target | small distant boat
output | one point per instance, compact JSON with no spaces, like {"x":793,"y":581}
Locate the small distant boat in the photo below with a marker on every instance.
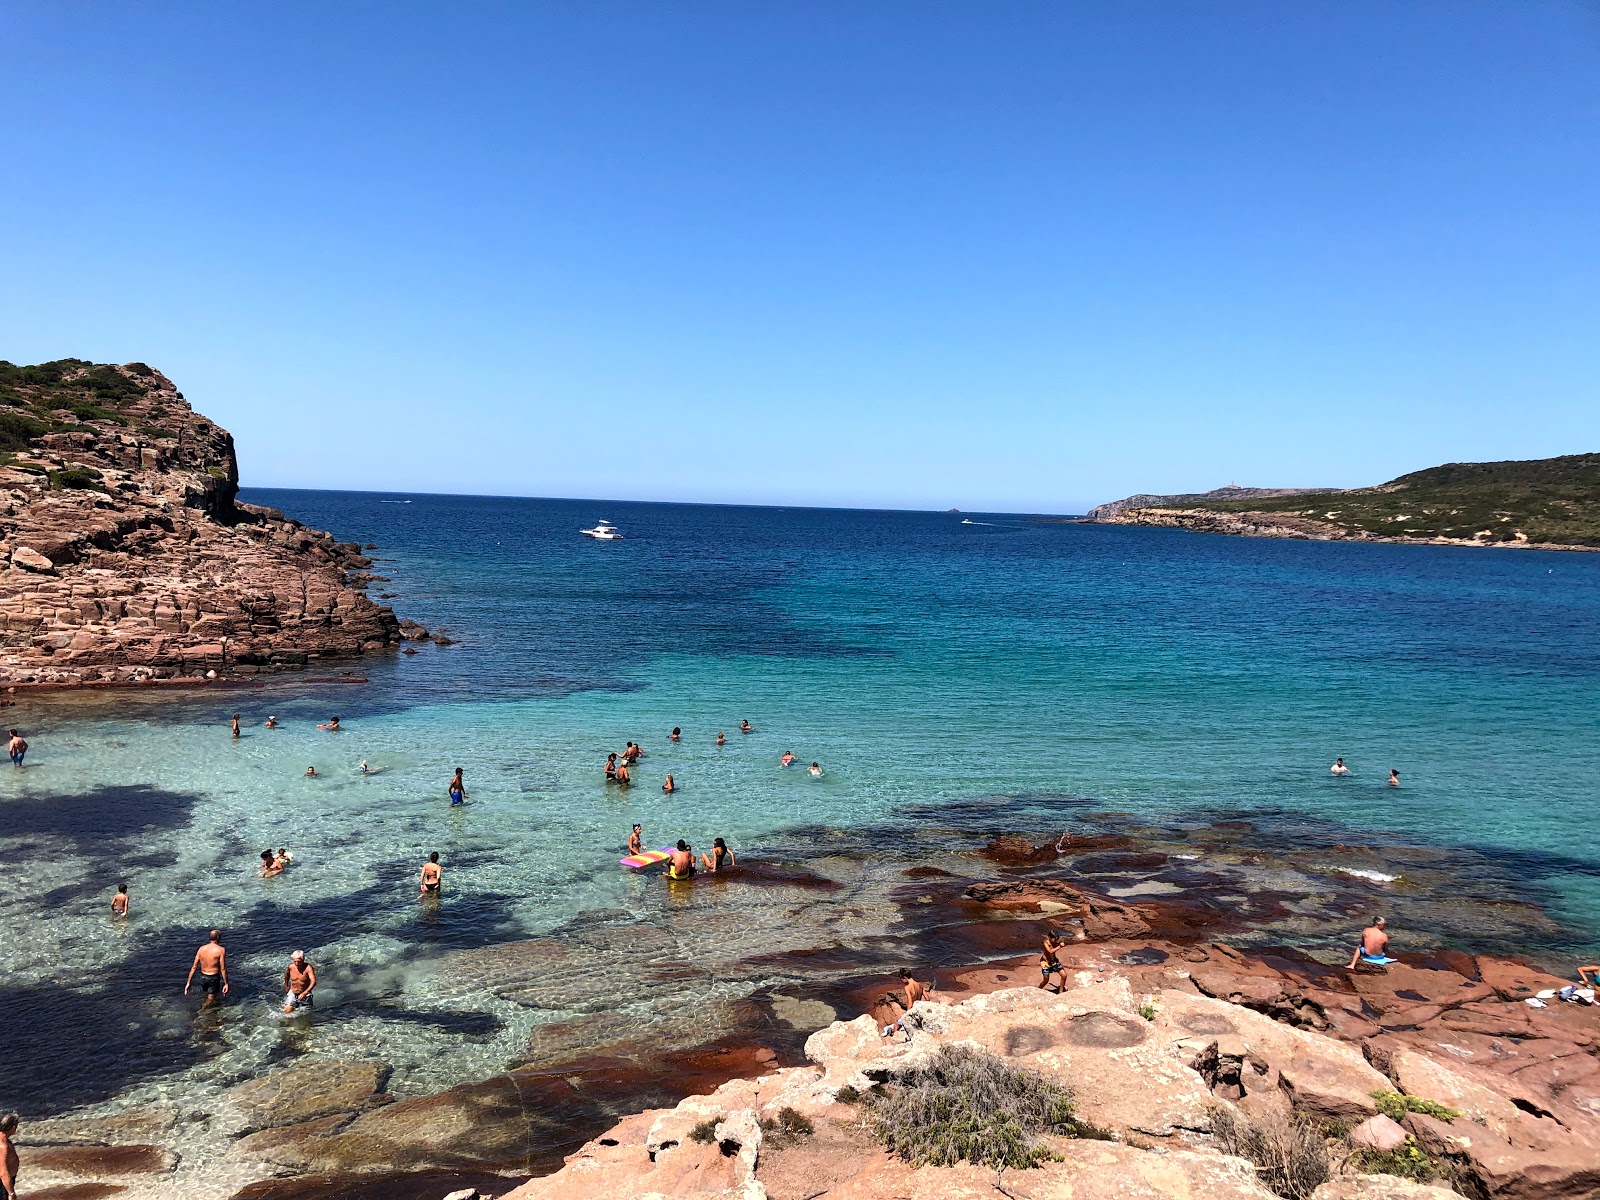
{"x":604,"y":531}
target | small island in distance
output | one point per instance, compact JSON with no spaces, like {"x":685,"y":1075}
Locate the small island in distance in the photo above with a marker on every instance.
{"x":1542,"y":503}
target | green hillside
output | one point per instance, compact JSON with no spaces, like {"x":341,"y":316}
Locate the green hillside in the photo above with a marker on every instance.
{"x":1553,"y":500}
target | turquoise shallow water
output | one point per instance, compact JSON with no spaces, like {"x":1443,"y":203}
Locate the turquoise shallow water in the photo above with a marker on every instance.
{"x":953,"y":680}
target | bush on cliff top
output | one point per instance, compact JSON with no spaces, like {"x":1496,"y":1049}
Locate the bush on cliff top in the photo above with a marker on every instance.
{"x":1395,"y":1105}
{"x":1289,"y":1153}
{"x":970,"y":1106}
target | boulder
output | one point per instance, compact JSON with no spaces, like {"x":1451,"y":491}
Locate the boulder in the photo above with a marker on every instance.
{"x":1378,"y":1133}
{"x":1424,"y":1077}
{"x":1381,"y":1187}
{"x":31,"y":560}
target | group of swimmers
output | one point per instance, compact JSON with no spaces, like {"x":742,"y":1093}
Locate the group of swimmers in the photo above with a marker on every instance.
{"x":1339,"y":768}
{"x":681,"y":864}
{"x":619,"y":762}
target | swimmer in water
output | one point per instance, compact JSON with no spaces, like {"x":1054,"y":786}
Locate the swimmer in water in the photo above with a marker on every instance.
{"x":816,"y":770}
{"x":1338,"y":767}
{"x":457,"y":789}
{"x":682,"y":863}
{"x":636,"y":840}
{"x":787,"y":760}
{"x":722,"y":738}
{"x":432,"y":876}
{"x":1394,"y":778}
{"x":284,"y":856}
{"x":364,"y":769}
{"x":331,"y":726}
{"x":675,"y":734}
{"x":270,"y":866}
{"x":719,"y":857}
{"x":311,"y":772}
{"x":669,"y":787}
{"x":631,"y":752}
{"x":234,"y":724}
{"x":119,"y":902}
{"x":746,"y":727}
{"x":270,"y":723}
{"x":611,"y":767}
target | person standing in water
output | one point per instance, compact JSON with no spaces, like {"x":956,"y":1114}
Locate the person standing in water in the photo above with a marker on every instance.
{"x":622,"y":774}
{"x":119,"y":902}
{"x":432,"y":876}
{"x":234,"y":724}
{"x":457,"y":789}
{"x":636,"y":840}
{"x":331,"y":726}
{"x":8,"y":1156}
{"x":816,"y":770}
{"x":722,"y":738}
{"x":675,"y":734}
{"x":1394,"y":777}
{"x":270,"y":723}
{"x":18,"y":747}
{"x":611,"y":767}
{"x":746,"y":727}
{"x":669,"y":787}
{"x":299,"y":979}
{"x":211,"y":960}
{"x":1338,"y":767}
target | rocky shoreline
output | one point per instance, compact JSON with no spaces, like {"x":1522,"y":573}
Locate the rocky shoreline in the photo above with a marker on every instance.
{"x":1160,"y":1027}
{"x":1280,"y":525}
{"x":126,"y":558}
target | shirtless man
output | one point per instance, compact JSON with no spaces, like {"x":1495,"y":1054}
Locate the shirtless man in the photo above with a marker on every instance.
{"x":18,"y":747}
{"x":636,"y":840}
{"x":331,"y":726}
{"x":631,"y":752}
{"x":211,"y":960}
{"x":234,"y":724}
{"x":622,"y":774}
{"x":1050,"y":961}
{"x":682,"y":864}
{"x":788,"y":759}
{"x":8,"y":1156}
{"x":432,"y":876}
{"x":914,"y":991}
{"x":722,"y":738}
{"x":119,"y":902}
{"x":1338,"y":768}
{"x":457,"y":789}
{"x":1373,"y":948}
{"x":299,"y":978}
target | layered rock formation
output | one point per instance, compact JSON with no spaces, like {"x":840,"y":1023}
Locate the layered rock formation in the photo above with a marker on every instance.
{"x":126,"y":556}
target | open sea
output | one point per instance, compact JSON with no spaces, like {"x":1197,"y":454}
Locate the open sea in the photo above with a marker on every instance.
{"x":954,"y":678}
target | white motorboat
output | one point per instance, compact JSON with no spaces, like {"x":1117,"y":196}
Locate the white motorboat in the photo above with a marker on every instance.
{"x":604,"y":530}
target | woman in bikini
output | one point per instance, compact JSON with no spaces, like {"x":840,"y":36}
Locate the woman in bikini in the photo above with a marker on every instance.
{"x":719,"y":857}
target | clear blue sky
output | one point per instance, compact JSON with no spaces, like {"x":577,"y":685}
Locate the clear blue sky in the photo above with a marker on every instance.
{"x":1005,"y":256}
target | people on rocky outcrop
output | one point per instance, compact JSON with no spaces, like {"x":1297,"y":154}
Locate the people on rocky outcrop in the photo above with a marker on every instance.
{"x":211,"y":960}
{"x":1394,"y":777}
{"x":299,"y":981}
{"x":681,"y":865}
{"x":1338,"y":767}
{"x":331,"y":726}
{"x":719,"y":858}
{"x":457,"y":789}
{"x":432,"y":876}
{"x":1589,"y":976}
{"x":668,"y":786}
{"x":234,"y":724}
{"x":270,"y":865}
{"x":18,"y":747}
{"x":636,"y":840}
{"x":1050,"y":961}
{"x":119,"y":902}
{"x":8,"y":1156}
{"x":1374,"y":944}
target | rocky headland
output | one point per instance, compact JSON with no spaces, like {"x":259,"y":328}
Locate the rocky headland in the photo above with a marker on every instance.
{"x":1547,"y":503}
{"x":126,"y":558}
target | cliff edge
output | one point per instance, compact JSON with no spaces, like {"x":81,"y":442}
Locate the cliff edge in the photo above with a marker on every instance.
{"x":125,"y":556}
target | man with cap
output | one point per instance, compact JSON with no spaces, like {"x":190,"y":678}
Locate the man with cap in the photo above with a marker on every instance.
{"x":299,"y":978}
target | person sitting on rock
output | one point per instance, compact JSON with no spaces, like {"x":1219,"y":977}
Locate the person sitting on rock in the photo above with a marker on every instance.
{"x":914,"y":991}
{"x":1372,"y":952}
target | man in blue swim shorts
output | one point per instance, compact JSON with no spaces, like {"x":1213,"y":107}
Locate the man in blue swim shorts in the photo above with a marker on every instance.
{"x":1374,"y":947}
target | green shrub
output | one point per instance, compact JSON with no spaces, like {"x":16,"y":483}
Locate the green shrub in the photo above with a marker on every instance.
{"x":17,"y":431}
{"x":94,"y":412}
{"x":969,"y":1106}
{"x":787,"y":1126}
{"x":847,"y":1095}
{"x":705,"y":1132}
{"x":76,"y":477}
{"x":1395,"y":1105}
{"x":1147,"y":1010}
{"x":1290,"y":1155}
{"x":1408,"y":1162}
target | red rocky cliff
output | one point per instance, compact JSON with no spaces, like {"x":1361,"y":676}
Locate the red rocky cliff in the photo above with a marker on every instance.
{"x":124,"y":556}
